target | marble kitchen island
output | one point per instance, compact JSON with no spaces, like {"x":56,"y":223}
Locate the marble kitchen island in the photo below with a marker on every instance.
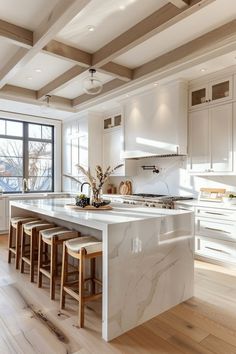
{"x":148,"y":257}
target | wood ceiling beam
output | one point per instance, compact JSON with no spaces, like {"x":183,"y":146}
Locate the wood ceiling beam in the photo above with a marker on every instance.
{"x":20,"y":94}
{"x":210,"y":41}
{"x":75,"y":55}
{"x":63,"y":13}
{"x":107,"y":88}
{"x":157,"y":22}
{"x":119,"y":71}
{"x":18,"y":35}
{"x":82,"y":58}
{"x":60,"y":81}
{"x":181,"y":4}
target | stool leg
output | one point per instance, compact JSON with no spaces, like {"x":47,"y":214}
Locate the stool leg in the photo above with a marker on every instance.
{"x":10,"y":243}
{"x":81,"y":288}
{"x":18,"y":233}
{"x":32,"y":255}
{"x":64,"y":272}
{"x":53,"y":269}
{"x":92,"y":265}
{"x":22,"y":264}
{"x":40,"y":262}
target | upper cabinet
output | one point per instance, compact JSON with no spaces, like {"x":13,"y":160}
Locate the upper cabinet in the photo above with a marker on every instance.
{"x":211,"y":139}
{"x":212,"y":92}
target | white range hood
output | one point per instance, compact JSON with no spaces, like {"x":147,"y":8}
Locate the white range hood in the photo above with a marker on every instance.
{"x":155,"y":122}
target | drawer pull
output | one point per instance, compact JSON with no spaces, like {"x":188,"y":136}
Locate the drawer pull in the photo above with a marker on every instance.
{"x":218,"y":230}
{"x":212,"y":213}
{"x":216,"y":249}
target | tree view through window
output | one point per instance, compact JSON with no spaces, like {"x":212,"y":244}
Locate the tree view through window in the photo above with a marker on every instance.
{"x":26,"y":153}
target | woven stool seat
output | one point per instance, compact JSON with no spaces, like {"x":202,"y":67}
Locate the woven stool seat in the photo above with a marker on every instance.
{"x":60,"y":232}
{"x":89,"y":243}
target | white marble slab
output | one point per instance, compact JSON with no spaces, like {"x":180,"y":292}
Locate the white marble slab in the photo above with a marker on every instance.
{"x":147,"y":257}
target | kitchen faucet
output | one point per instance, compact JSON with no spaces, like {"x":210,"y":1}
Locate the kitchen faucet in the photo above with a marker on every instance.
{"x":82,"y":185}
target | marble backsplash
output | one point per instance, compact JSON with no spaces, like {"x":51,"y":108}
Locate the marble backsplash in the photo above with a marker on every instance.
{"x":173,"y":178}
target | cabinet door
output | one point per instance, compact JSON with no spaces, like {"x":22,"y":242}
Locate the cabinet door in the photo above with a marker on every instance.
{"x":199,"y":141}
{"x":221,"y":90}
{"x":112,"y":148}
{"x":221,"y":127}
{"x":198,"y":96}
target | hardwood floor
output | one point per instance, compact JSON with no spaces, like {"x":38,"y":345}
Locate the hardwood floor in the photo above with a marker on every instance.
{"x":31,"y":323}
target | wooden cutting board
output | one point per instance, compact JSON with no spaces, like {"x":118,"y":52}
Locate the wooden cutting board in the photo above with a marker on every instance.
{"x":125,"y":187}
{"x":88,"y":207}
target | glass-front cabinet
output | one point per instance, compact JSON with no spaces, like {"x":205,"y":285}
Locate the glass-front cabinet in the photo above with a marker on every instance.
{"x":216,"y":91}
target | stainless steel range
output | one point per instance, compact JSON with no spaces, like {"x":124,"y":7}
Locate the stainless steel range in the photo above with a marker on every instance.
{"x":153,"y":200}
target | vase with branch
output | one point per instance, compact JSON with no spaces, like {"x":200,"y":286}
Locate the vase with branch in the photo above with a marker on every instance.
{"x":96,"y":183}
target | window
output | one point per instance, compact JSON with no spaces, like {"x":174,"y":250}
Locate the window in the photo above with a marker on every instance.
{"x":26,"y":155}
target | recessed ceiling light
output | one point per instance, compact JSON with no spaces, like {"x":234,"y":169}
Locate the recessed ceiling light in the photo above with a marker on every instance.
{"x":127,"y":95}
{"x":29,"y":78}
{"x":203,"y":70}
{"x":122,"y":7}
{"x":91,"y":28}
{"x":38,"y":70}
{"x":155,"y":83}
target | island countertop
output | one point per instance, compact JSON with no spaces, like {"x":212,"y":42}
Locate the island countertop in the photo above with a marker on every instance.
{"x":99,"y":219}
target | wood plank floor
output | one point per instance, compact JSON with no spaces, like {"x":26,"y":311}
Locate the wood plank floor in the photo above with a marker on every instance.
{"x":31,"y":323}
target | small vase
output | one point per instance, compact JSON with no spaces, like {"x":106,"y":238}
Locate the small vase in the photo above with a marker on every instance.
{"x":96,"y":198}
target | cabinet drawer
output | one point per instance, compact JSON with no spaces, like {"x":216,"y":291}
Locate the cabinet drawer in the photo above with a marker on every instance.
{"x":213,"y":213}
{"x":216,"y":249}
{"x":219,"y":230}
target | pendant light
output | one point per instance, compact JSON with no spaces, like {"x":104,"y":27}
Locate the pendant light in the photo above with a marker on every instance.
{"x":91,"y":84}
{"x":46,"y":104}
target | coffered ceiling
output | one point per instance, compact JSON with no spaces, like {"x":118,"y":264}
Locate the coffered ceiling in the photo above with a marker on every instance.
{"x":47,"y":46}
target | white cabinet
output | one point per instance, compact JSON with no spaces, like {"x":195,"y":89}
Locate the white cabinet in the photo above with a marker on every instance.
{"x":199,"y":149}
{"x":211,"y":139}
{"x":113,"y":142}
{"x":3,"y":217}
{"x":221,"y":138}
{"x":215,"y":235}
{"x":208,"y":93}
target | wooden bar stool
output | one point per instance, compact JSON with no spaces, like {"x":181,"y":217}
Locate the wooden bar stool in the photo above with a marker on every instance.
{"x":54,"y":238}
{"x":81,"y":248}
{"x":15,"y":229}
{"x":31,"y":230}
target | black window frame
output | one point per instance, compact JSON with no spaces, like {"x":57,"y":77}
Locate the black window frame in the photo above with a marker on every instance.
{"x":25,"y":141}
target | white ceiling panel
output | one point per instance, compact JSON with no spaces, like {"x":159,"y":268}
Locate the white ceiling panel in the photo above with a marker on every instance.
{"x":7,"y":50}
{"x":42,"y":69}
{"x":75,"y":87}
{"x":26,"y":13}
{"x":110,"y":18}
{"x":180,"y":33}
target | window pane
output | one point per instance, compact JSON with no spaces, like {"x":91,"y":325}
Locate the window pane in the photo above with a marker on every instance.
{"x":11,"y":166}
{"x":2,"y":127}
{"x":14,"y":128}
{"x":40,"y":150}
{"x":11,"y":184}
{"x":35,"y":131}
{"x":46,"y":132}
{"x":40,"y":184}
{"x":10,"y":147}
{"x":40,"y":167}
